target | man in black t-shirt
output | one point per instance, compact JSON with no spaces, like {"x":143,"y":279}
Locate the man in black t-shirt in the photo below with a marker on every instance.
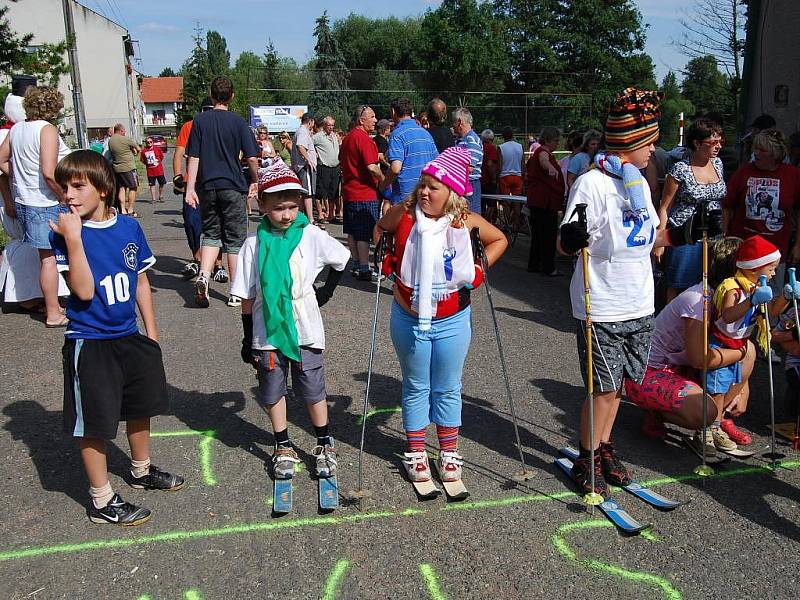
{"x":437,"y":115}
{"x":216,"y":183}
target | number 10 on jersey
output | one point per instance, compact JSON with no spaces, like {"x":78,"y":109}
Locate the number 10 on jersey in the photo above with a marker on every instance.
{"x":116,"y":287}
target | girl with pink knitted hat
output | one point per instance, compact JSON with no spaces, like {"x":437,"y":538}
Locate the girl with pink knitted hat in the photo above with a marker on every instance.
{"x":434,"y":268}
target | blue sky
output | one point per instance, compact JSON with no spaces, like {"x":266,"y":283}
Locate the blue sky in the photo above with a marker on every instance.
{"x":164,"y":29}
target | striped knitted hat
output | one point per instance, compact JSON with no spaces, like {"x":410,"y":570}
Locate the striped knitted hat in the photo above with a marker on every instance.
{"x":278,"y":177}
{"x":451,"y":167}
{"x":633,"y":120}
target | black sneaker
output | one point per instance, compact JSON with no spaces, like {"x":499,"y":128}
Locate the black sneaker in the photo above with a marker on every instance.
{"x":201,"y":292}
{"x":365,"y":275}
{"x":118,"y":512}
{"x":156,"y":479}
{"x":613,"y":470}
{"x":191,"y":270}
{"x":582,"y":476}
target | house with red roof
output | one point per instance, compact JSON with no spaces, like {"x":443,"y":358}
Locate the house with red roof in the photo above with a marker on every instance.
{"x":161,"y":97}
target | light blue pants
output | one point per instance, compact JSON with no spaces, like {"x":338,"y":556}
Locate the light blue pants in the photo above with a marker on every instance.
{"x":432,"y":362}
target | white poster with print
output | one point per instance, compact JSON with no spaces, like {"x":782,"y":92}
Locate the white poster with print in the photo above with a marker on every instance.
{"x":763,"y":202}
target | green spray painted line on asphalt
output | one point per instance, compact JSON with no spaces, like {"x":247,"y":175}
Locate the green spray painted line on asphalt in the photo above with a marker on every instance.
{"x":334,"y":579}
{"x":378,"y":411}
{"x":204,"y":449}
{"x":431,"y":582}
{"x":205,"y":460}
{"x":558,"y":540}
{"x":177,"y":536}
{"x":192,"y":595}
{"x":145,"y":597}
{"x":184,"y":433}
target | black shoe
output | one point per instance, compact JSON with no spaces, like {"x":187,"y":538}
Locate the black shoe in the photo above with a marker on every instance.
{"x":118,"y":512}
{"x":581,"y":475}
{"x":365,"y":276}
{"x":614,"y":472}
{"x":156,"y":479}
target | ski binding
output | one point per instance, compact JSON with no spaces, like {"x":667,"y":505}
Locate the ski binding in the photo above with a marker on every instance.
{"x":642,"y":492}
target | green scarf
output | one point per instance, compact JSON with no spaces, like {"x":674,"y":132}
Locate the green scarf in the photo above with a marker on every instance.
{"x":275,"y":276}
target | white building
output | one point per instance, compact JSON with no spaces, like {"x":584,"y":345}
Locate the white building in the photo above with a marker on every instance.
{"x":110,"y":90}
{"x":161,"y":97}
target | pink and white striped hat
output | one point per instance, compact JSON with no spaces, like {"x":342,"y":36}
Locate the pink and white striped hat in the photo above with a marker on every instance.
{"x":451,"y":167}
{"x":278,"y":177}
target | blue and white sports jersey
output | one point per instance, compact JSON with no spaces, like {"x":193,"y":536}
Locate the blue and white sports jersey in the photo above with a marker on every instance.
{"x":117,"y":252}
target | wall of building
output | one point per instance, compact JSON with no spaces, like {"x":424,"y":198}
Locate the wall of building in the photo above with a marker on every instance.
{"x":773,"y":76}
{"x":110,"y":92}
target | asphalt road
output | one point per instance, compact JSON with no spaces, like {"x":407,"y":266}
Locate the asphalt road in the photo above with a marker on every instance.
{"x":216,"y":539}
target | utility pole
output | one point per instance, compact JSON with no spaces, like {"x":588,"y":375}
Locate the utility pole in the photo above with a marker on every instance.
{"x":75,"y":75}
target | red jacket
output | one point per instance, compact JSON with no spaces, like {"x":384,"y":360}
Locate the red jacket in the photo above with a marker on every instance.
{"x":544,"y":191}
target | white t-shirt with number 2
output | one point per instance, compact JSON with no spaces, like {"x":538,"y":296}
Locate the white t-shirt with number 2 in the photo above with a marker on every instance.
{"x":620,"y":271}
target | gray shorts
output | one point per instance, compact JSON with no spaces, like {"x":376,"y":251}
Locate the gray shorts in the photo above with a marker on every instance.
{"x":619,"y":351}
{"x":224,"y":217}
{"x":308,"y":376}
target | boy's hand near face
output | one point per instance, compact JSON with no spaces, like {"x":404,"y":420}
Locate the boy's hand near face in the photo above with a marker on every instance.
{"x":69,"y":225}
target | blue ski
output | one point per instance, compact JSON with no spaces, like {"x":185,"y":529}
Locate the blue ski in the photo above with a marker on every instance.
{"x":328,"y":493}
{"x":613,"y":511}
{"x":282,"y":496}
{"x":635,"y":488}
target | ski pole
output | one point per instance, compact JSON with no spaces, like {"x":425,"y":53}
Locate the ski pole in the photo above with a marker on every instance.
{"x":793,"y":282}
{"x":361,"y":493}
{"x":773,"y":455}
{"x":703,"y":469}
{"x":592,"y":498}
{"x":525,"y":474}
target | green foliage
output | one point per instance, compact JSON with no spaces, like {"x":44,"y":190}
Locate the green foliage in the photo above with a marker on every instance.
{"x":673,"y":105}
{"x":196,"y":74}
{"x":462,"y":44}
{"x":706,"y":87}
{"x":45,"y":62}
{"x":246,"y":74}
{"x":330,"y":73}
{"x":167,"y":72}
{"x":12,"y":45}
{"x":219,"y":58}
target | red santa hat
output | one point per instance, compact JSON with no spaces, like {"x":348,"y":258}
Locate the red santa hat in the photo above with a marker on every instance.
{"x":756,"y":252}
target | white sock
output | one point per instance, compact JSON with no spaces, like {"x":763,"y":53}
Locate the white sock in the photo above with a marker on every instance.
{"x":140,"y":468}
{"x":101,"y":496}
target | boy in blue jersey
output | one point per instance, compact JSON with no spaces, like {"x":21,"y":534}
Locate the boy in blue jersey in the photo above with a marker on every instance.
{"x":112,"y":372}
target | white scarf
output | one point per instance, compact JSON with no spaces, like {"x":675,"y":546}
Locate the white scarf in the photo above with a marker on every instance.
{"x":436,"y":262}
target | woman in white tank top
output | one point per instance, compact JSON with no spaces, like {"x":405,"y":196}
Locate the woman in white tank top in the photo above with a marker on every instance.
{"x":29,"y":156}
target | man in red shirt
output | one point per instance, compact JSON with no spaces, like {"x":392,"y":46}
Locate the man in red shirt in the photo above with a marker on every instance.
{"x":763,"y":197}
{"x":153,"y":159}
{"x":361,"y":174}
{"x":489,"y":172}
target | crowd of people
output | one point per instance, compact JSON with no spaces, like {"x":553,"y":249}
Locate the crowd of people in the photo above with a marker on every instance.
{"x":410,"y":188}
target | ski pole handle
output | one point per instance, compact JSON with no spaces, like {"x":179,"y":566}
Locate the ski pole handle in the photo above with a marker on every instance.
{"x":762,"y":281}
{"x":792,"y":277}
{"x":478,"y":251}
{"x":581,"y":210}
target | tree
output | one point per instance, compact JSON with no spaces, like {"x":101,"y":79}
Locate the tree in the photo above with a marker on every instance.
{"x":167,"y":72}
{"x":672,"y":106}
{"x":706,"y":87}
{"x":272,"y":64}
{"x":717,"y":27}
{"x":462,"y":44}
{"x":247,"y":74}
{"x":330,"y":72}
{"x":219,"y":58}
{"x":196,"y":78}
{"x":44,"y":61}
{"x":12,"y":46}
{"x":579,"y":47}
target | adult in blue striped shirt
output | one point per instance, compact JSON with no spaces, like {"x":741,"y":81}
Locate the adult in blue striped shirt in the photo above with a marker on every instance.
{"x":410,"y":149}
{"x":467,"y":138}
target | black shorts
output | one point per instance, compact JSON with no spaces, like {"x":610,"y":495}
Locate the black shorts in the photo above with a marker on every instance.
{"x":127,"y":180}
{"x":108,"y":381}
{"x":360,"y":219}
{"x":151,"y":181}
{"x":327,"y":182}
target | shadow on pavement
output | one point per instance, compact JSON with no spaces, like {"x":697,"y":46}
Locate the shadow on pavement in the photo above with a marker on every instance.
{"x":54,"y":453}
